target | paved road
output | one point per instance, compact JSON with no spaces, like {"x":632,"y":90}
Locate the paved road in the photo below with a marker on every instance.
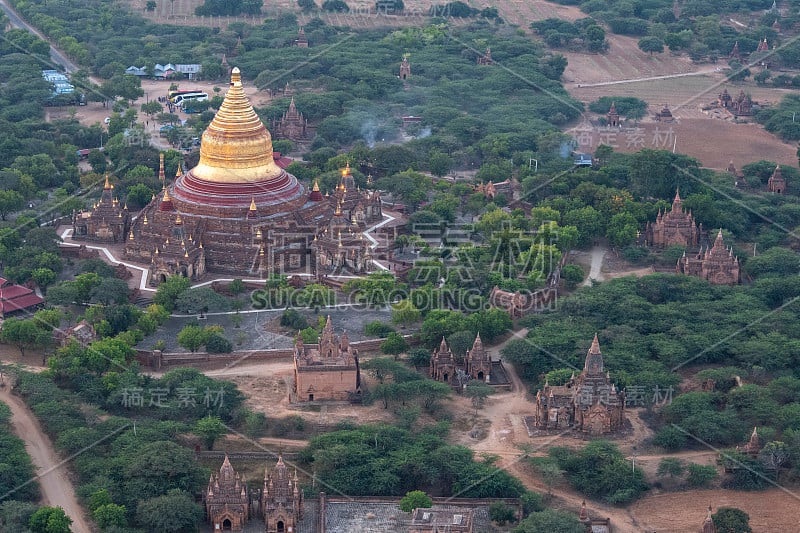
{"x":56,"y":56}
{"x":57,"y":490}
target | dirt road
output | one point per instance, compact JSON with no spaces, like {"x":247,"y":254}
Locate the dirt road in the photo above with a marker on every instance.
{"x":51,"y":471}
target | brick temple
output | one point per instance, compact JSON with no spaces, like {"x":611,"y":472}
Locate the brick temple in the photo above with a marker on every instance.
{"x":229,"y":503}
{"x":238,"y":213}
{"x":589,"y":403}
{"x":328,"y":370}
{"x":717,"y":264}
{"x":674,"y":227}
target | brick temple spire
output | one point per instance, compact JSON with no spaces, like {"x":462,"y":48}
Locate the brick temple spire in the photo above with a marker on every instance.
{"x":161,"y":176}
{"x":594,"y":359}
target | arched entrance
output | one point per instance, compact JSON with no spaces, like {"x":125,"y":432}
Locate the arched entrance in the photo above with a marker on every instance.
{"x":281,"y":528}
{"x":480,"y":376}
{"x":226,"y":525}
{"x":162,"y":278}
{"x":445,"y":377}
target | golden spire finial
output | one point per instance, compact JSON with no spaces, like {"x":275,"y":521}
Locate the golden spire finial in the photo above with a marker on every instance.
{"x":338,"y":208}
{"x":186,"y":254}
{"x":167,"y":241}
{"x":106,"y":185}
{"x":178,"y":219}
{"x":236,"y":146}
{"x":179,"y":171}
{"x":130,"y":235}
{"x":315,"y":188}
{"x":166,"y":196}
{"x":252,"y":204}
{"x":145,"y":220}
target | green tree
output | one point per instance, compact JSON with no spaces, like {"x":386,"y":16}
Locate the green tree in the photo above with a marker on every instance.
{"x":404,"y":313}
{"x":10,"y":201}
{"x":439,"y":163}
{"x":775,"y":455}
{"x":210,"y":429}
{"x":216,"y":343}
{"x":173,"y":512}
{"x":315,"y":295}
{"x":110,"y":291}
{"x":622,"y":229}
{"x":419,"y":357}
{"x":670,"y":466}
{"x":731,"y":520}
{"x":761,"y":77}
{"x":110,"y":515}
{"x":236,"y":287}
{"x":651,"y":45}
{"x":700,"y":475}
{"x":99,"y":498}
{"x":139,"y":195}
{"x":43,"y":277}
{"x":394,"y":344}
{"x":501,"y":513}
{"x":25,"y":334}
{"x":151,"y":108}
{"x":168,"y":291}
{"x":459,"y":342}
{"x":201,"y":300}
{"x":50,"y":520}
{"x":477,"y":392}
{"x":192,"y":337}
{"x":551,"y":521}
{"x":737,"y":72}
{"x":415,"y":499}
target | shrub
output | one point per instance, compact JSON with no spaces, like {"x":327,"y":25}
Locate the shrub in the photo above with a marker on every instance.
{"x":338,"y":6}
{"x":501,"y":513}
{"x":415,"y":499}
{"x":378,"y":329}
{"x":292,"y":319}
{"x":700,"y":475}
{"x":216,"y":343}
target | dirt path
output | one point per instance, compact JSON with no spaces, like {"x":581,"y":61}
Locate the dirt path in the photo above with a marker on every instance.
{"x":595,"y":272}
{"x":57,"y":490}
{"x":702,"y":72}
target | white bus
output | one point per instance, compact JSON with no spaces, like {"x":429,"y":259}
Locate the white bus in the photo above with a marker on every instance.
{"x":181,"y":99}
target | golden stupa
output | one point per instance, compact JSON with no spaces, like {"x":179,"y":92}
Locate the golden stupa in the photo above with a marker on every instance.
{"x":236,"y":147}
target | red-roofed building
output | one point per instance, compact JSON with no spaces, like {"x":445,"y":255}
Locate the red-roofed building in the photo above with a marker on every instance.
{"x":16,"y":298}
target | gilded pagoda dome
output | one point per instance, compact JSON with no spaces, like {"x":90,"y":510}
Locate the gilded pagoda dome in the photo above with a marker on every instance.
{"x":236,"y":147}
